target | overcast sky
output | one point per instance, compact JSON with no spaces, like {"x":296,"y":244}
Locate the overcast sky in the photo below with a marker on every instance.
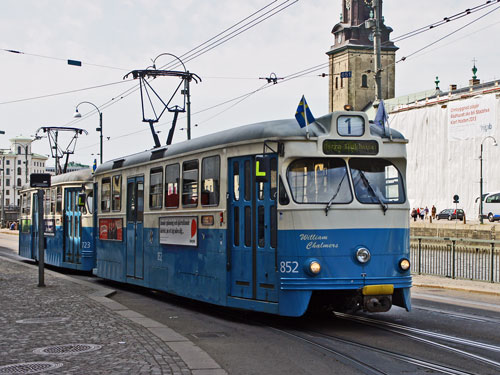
{"x":125,"y":35}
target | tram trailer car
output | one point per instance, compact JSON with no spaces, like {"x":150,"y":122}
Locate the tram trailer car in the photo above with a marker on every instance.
{"x":264,"y":217}
{"x":69,"y":225}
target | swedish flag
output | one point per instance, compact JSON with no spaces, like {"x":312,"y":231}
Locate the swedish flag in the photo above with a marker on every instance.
{"x":303,"y":115}
{"x":94,"y":166}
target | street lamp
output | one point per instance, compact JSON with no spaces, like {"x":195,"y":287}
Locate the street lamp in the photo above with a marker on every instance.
{"x":481,"y":177}
{"x":99,"y":129}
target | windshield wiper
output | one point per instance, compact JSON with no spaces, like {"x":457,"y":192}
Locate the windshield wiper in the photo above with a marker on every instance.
{"x":330,"y":202}
{"x":372,"y":192}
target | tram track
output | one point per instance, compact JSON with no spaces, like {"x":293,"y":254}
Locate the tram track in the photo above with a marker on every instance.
{"x":366,"y":367}
{"x":413,"y":333}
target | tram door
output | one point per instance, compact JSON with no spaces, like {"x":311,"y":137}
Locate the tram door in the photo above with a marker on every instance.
{"x":252,"y":229}
{"x":72,"y":226}
{"x":34,"y":227}
{"x":135,"y":226}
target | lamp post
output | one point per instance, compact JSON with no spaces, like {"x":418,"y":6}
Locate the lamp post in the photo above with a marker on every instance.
{"x":99,"y":129}
{"x":481,"y":177}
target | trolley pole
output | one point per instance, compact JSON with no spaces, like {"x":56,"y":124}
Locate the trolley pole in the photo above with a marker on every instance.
{"x":41,"y":247}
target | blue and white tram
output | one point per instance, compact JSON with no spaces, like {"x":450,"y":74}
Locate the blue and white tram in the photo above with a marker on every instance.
{"x":69,"y":230}
{"x":264,"y":217}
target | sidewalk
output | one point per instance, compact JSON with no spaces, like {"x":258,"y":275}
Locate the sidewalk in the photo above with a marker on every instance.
{"x":70,"y":327}
{"x":427,"y":281}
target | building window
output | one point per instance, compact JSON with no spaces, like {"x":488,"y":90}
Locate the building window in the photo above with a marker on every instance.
{"x":7,"y":162}
{"x":190,"y":183}
{"x":336,"y":83}
{"x":106,"y":194}
{"x":7,"y":192}
{"x":19,"y":162}
{"x":364,"y":81}
{"x":117,"y":193}
{"x":7,"y":171}
{"x":18,"y":150}
{"x":19,"y":171}
{"x":172,"y":186}
{"x":7,"y":182}
{"x":210,"y":168}
{"x":19,"y":183}
{"x":341,"y":82}
{"x":7,"y":201}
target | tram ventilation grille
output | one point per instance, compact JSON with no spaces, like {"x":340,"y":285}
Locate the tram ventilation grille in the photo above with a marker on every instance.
{"x":29,"y":367}
{"x":47,"y":319}
{"x":67,"y":349}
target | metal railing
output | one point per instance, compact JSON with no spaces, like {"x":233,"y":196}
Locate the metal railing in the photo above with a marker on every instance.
{"x":457,"y":258}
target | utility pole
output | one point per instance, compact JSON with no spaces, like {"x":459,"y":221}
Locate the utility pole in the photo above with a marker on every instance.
{"x":188,"y":106}
{"x":3,"y":189}
{"x":376,"y":50}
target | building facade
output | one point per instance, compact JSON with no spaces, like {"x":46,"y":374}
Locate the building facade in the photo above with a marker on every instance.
{"x":16,"y":165}
{"x":351,"y":69}
{"x":449,"y":134}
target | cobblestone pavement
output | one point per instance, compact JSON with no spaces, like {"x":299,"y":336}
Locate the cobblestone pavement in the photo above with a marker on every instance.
{"x":126,"y":346}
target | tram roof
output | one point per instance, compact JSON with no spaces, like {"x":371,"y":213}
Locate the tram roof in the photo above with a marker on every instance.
{"x":278,"y":129}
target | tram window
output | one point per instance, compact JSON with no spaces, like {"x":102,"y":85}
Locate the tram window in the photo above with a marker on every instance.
{"x":172,"y":186}
{"x":53,"y":201}
{"x":376,"y":181}
{"x":28,"y":204}
{"x":283,"y":196}
{"x":261,"y":229}
{"x":322,"y":180}
{"x":210,"y":177}
{"x":248,"y":180}
{"x":117,"y":193}
{"x":274,"y":178}
{"x":46,"y":202}
{"x":58,"y":200}
{"x":190,"y":183}
{"x":156,"y":188}
{"x":248,"y":226}
{"x":236,"y":181}
{"x":106,"y":194}
{"x":90,"y":202}
{"x":236,"y":226}
{"x":140,"y":201}
{"x":274,"y":227}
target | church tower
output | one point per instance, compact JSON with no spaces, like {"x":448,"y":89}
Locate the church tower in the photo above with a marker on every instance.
{"x":352,"y":76}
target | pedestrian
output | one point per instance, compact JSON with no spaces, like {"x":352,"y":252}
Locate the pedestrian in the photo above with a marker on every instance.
{"x":433,"y":211}
{"x":414,"y":214}
{"x":426,"y":212}
{"x":421,"y":211}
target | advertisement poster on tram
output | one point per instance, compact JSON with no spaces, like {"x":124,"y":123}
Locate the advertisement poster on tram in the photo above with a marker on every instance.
{"x":179,"y":230}
{"x":111,"y":229}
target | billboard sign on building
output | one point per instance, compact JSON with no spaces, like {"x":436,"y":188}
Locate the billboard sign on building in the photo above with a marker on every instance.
{"x":472,"y":118}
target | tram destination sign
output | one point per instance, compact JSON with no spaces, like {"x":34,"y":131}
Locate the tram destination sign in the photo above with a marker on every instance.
{"x":349,"y":147}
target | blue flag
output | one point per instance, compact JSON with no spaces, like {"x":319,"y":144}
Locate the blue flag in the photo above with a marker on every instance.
{"x":303,"y":115}
{"x":381,"y":117}
{"x":94,"y":166}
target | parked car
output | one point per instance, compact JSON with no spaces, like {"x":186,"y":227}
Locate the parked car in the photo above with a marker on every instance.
{"x":451,"y":214}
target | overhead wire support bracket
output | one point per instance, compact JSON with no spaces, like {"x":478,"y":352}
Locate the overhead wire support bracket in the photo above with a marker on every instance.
{"x":145,"y":87}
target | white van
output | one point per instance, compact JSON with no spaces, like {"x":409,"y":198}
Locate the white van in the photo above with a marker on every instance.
{"x":491,"y":206}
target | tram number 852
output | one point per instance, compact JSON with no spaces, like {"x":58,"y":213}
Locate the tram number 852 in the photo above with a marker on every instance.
{"x":289,"y":267}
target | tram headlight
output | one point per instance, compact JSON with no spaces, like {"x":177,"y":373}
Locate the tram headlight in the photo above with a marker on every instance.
{"x":315,"y":267}
{"x":312,"y":267}
{"x":363,"y":255}
{"x":404,"y":264}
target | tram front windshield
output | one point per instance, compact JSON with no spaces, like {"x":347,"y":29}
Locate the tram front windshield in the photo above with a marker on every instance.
{"x":326,"y":180}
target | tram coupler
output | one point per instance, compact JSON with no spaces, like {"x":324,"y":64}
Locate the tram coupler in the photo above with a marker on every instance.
{"x":380,"y":303}
{"x":377,"y":298}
